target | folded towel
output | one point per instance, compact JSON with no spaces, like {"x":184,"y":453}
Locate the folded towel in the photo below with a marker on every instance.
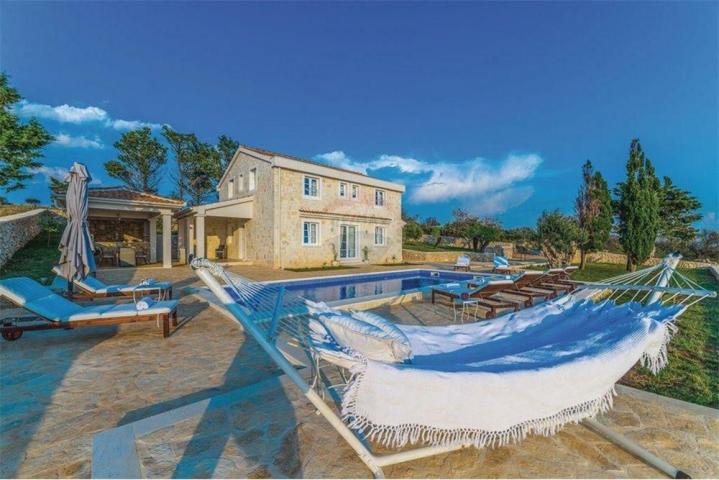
{"x":144,"y":303}
{"x":451,"y":284}
{"x":146,"y":282}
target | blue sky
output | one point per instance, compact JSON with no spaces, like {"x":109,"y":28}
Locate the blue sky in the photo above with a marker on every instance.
{"x":491,"y":107}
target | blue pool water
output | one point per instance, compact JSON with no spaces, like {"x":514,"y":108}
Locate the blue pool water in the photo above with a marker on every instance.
{"x":337,"y":288}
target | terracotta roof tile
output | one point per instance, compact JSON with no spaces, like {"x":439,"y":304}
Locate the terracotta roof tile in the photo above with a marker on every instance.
{"x":123,"y":193}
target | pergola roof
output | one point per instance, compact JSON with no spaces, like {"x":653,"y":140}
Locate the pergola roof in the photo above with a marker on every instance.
{"x":124,"y":201}
{"x":124,"y":193}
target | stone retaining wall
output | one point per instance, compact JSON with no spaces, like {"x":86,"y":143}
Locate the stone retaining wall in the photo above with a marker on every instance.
{"x":16,"y":230}
{"x":621,"y":259}
{"x":446,"y":256}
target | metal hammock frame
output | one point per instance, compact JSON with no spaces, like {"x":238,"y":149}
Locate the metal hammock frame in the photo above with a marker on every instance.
{"x":279,"y":321}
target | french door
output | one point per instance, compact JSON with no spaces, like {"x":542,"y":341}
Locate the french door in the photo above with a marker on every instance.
{"x":348,"y":242}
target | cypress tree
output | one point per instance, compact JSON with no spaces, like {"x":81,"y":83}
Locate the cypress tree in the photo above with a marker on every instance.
{"x":637,"y":207}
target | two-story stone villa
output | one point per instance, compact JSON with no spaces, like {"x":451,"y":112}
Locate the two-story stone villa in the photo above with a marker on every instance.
{"x":286,"y":212}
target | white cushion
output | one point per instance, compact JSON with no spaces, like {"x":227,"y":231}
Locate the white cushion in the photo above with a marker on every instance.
{"x":401,"y":347}
{"x":373,"y":337}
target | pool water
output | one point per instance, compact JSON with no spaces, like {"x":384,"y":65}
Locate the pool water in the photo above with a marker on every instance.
{"x":345,"y":287}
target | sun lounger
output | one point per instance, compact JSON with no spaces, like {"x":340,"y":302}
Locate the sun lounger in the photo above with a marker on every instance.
{"x":463,"y":262}
{"x":501,"y":265}
{"x":522,"y":287}
{"x":94,"y":288}
{"x":54,"y":311}
{"x":479,"y":292}
{"x":557,"y":279}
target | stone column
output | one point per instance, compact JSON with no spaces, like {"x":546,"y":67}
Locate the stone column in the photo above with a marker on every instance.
{"x":153,"y":239}
{"x":181,"y":240}
{"x":200,"y":235}
{"x":166,"y":240}
{"x":189,"y":226}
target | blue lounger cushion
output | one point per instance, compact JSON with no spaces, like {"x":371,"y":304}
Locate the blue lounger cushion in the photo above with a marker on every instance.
{"x":40,"y":300}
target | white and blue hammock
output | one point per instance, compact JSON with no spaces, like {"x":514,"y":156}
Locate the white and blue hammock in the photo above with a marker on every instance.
{"x":483,"y":384}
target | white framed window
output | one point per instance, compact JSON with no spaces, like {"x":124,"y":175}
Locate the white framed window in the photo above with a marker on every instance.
{"x":379,"y":235}
{"x":310,"y":187}
{"x":253,"y":180}
{"x":310,"y":233}
{"x":379,"y":198}
{"x":343,"y":190}
{"x":355,"y":192}
{"x":240,"y":183}
{"x":231,"y":188}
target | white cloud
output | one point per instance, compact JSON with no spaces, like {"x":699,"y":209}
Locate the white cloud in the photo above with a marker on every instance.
{"x":474,"y":178}
{"x":81,"y":141}
{"x":339,"y":159}
{"x":58,"y":173}
{"x":483,"y":187}
{"x":710,"y":220}
{"x":61,"y":113}
{"x":499,"y":202}
{"x":77,"y":115}
{"x":131,"y":124}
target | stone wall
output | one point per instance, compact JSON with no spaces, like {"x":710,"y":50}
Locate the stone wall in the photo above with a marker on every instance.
{"x":331,"y":210}
{"x":257,"y":234}
{"x":621,"y":259}
{"x":273,"y":237}
{"x":443,"y":257}
{"x":16,"y":230}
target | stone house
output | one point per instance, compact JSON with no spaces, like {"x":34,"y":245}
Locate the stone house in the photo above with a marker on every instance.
{"x":287,"y":212}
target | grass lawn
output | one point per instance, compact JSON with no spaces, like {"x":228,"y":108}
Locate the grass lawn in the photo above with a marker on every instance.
{"x":693,"y":370}
{"x":35,"y":259}
{"x":425,"y":247}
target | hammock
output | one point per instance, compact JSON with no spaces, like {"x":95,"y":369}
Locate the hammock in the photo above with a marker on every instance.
{"x":482,"y":384}
{"x":495,"y":382}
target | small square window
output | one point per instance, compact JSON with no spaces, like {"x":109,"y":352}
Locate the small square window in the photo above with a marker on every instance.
{"x":379,"y":236}
{"x":310,"y":233}
{"x":343,"y":190}
{"x":379,"y":198}
{"x":311,"y":187}
{"x":355,"y":192}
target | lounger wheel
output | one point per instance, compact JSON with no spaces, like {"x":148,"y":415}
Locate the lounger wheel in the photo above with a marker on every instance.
{"x":11,"y":333}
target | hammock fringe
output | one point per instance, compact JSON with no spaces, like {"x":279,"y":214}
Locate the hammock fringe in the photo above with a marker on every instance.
{"x":398,"y":436}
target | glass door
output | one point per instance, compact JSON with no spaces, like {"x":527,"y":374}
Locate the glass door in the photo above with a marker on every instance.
{"x":348,"y":241}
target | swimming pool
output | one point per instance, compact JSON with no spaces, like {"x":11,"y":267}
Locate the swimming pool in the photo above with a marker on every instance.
{"x":343,"y":288}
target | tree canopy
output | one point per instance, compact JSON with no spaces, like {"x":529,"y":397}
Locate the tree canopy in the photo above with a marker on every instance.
{"x":20,"y":144}
{"x":226,"y":147}
{"x":475,"y":231}
{"x":139,"y":161}
{"x":199,"y":165}
{"x":558,"y":236}
{"x":637,"y":204}
{"x":594,"y":211}
{"x":678,"y":213}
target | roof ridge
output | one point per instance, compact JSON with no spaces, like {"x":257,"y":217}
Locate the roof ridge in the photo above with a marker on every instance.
{"x":272,"y":153}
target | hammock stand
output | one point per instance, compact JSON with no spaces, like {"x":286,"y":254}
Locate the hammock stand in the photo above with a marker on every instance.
{"x":279,"y":324}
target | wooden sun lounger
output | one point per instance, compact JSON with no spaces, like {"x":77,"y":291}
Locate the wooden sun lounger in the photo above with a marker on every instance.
{"x":92,"y":288}
{"x":53,"y":311}
{"x":480,"y":294}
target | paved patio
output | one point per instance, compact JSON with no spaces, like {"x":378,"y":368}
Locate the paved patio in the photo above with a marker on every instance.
{"x":59,"y":388}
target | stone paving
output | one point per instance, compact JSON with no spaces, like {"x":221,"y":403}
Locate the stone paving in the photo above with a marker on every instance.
{"x":276,"y":433}
{"x":58,"y":388}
